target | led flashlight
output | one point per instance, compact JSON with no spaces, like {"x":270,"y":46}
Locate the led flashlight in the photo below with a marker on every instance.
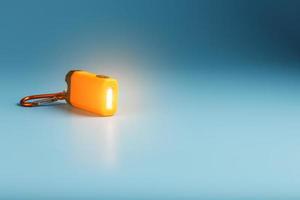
{"x":87,"y":91}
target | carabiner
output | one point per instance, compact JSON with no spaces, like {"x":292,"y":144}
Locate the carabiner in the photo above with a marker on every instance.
{"x":44,"y":99}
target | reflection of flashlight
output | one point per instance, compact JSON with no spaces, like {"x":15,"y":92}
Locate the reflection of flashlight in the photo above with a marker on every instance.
{"x":94,"y":93}
{"x":90,"y":92}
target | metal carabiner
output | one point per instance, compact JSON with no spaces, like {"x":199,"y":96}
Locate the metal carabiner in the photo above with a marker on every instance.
{"x":44,"y":99}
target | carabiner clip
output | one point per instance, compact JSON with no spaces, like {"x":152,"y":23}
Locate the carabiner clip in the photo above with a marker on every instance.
{"x":43,"y":99}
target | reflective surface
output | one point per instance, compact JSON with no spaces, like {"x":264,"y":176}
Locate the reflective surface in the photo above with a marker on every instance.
{"x":193,"y":122}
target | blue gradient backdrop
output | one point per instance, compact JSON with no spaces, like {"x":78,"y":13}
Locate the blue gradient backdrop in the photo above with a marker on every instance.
{"x":209,"y":100}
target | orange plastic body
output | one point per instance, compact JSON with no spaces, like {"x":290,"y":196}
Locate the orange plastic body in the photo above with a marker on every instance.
{"x":93,"y":93}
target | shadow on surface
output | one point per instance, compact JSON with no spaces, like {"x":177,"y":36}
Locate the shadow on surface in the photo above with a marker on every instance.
{"x":65,"y":108}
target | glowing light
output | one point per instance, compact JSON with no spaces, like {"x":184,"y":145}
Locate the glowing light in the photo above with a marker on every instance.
{"x":109,"y":98}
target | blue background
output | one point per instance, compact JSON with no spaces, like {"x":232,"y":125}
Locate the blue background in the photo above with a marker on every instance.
{"x":209,"y":100}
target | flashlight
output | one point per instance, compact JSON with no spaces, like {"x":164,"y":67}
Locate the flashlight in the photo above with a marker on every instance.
{"x":87,"y":91}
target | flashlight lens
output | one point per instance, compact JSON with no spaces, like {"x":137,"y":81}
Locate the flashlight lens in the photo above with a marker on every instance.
{"x":109,"y":98}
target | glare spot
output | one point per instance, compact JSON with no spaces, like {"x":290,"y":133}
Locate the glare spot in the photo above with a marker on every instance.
{"x":109,"y":98}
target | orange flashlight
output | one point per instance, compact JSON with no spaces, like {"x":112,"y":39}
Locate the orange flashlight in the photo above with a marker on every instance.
{"x":94,"y":93}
